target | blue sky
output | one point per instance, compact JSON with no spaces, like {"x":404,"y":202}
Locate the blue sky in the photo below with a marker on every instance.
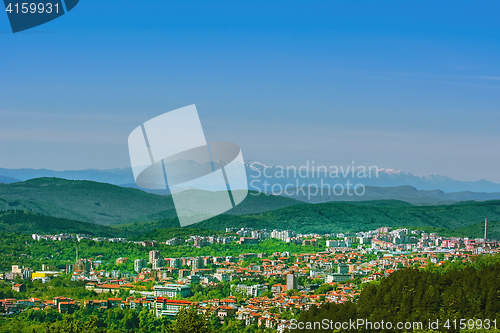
{"x":412,"y":85}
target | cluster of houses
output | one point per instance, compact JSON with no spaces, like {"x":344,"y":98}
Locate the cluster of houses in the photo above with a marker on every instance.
{"x":347,"y":260}
{"x":60,"y":303}
{"x":264,"y":311}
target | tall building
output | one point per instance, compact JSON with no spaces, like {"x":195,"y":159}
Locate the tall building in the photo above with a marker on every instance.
{"x":27,"y":273}
{"x":154,"y":255}
{"x":283,"y":235}
{"x":139,"y":264}
{"x":200,"y":242}
{"x":158,"y":263}
{"x":254,"y":291}
{"x":176,"y":263}
{"x":48,"y":267}
{"x":291,"y":282}
{"x":83,"y":265}
{"x":197,"y":263}
{"x":184,"y":273}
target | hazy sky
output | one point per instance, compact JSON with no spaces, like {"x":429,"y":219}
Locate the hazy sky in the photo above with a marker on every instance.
{"x":397,"y":84}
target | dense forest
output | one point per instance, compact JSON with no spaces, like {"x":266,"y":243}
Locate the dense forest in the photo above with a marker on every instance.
{"x":458,"y":291}
{"x":121,"y":321}
{"x":107,"y":204}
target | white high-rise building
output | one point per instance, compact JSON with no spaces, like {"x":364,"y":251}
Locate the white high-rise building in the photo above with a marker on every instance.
{"x":139,"y":264}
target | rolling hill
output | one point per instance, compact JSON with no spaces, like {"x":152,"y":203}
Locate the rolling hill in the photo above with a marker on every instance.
{"x":472,"y":231}
{"x":83,"y":201}
{"x":27,"y":222}
{"x":108,"y":204}
{"x":342,"y":217}
{"x":132,"y":212}
{"x":463,"y":219}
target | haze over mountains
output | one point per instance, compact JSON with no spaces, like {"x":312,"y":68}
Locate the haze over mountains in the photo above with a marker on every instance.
{"x":383,"y":178}
{"x":384,"y":184}
{"x":405,"y":192}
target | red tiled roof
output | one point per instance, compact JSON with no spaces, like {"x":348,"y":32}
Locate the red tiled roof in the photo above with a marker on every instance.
{"x":171,"y":301}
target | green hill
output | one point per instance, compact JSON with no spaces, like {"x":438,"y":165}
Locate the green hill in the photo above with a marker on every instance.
{"x":26,"y":222}
{"x":83,"y":200}
{"x":107,"y":204}
{"x":477,"y":231}
{"x":471,"y":231}
{"x":450,"y":220}
{"x":134,"y":213}
{"x":342,"y":217}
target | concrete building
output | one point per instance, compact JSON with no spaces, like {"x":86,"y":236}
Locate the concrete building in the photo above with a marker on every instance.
{"x":172,"y":290}
{"x":174,"y":241}
{"x":169,"y":307}
{"x":310,"y":242}
{"x":343,"y":269}
{"x":338,"y":243}
{"x":184,"y":273}
{"x":154,"y":255}
{"x":283,"y":235}
{"x":139,"y":264}
{"x":291,"y":282}
{"x":222,"y":277}
{"x":197,"y":263}
{"x":176,"y":263}
{"x":158,"y":263}
{"x":337,"y":278}
{"x":253,"y":291}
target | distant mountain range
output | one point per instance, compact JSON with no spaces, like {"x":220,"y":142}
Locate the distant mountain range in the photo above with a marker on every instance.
{"x":7,"y":180}
{"x":258,"y":173}
{"x":406,"y":193}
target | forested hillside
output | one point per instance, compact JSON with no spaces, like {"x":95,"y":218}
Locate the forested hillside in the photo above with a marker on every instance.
{"x":342,"y":217}
{"x":422,"y":295}
{"x":108,"y":204}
